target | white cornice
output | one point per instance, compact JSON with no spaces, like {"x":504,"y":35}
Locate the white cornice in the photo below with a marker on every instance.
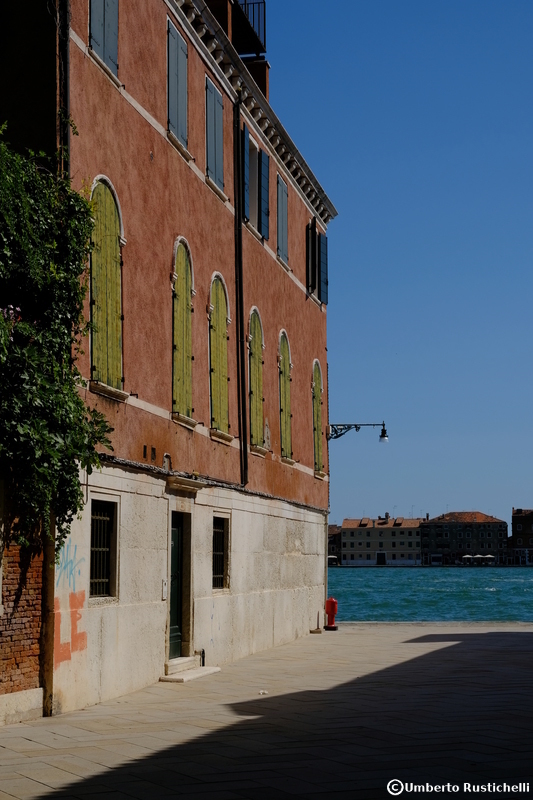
{"x":218,"y":53}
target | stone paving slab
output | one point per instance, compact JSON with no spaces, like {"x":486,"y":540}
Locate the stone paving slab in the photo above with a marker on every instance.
{"x":344,"y":713}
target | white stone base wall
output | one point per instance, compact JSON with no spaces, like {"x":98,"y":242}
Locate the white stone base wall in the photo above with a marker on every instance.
{"x":110,"y":646}
{"x":21,"y":706}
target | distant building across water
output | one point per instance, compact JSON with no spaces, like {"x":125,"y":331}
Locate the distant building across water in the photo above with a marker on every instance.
{"x":454,"y":538}
{"x":461,"y":536}
{"x":380,"y":542}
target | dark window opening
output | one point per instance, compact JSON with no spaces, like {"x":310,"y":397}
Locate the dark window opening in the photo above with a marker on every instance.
{"x":220,"y":553}
{"x":102,"y":548}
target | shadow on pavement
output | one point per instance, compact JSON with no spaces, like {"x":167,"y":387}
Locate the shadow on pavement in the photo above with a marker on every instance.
{"x":463,"y":713}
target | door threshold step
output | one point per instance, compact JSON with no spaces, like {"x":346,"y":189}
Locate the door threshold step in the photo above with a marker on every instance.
{"x":189,"y":675}
{"x":180,"y":664}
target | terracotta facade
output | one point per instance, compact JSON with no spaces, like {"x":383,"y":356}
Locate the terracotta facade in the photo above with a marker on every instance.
{"x":168,"y":484}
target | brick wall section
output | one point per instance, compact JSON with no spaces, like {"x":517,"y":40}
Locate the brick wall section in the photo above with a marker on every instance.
{"x":20,"y":624}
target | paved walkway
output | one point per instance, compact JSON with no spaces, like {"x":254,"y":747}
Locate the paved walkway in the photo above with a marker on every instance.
{"x":343,"y":714}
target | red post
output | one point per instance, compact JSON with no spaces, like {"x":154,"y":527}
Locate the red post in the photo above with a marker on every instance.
{"x":331,"y":610}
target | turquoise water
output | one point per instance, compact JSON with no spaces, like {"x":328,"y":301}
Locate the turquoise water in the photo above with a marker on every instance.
{"x":432,"y":594}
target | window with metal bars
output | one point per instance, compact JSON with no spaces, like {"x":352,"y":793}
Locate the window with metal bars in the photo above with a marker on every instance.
{"x":103,"y":539}
{"x":220,"y":553}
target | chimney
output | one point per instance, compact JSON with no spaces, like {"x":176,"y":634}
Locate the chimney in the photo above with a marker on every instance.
{"x":427,"y":517}
{"x":258,"y":67}
{"x":387,"y":515}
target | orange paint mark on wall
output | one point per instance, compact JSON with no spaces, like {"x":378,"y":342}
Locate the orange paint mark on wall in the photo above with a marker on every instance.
{"x":61,"y":649}
{"x":78,"y":639}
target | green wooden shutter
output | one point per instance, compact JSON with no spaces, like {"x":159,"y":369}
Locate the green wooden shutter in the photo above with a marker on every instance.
{"x":114,"y":294}
{"x":106,"y":291}
{"x":219,"y":141}
{"x":223,"y":343}
{"x":256,"y":381}
{"x":98,"y":289}
{"x":219,"y":358}
{"x":285,"y":398}
{"x":317,"y":417}
{"x":182,"y":336}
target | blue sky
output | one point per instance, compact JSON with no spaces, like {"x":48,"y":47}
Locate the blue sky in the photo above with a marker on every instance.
{"x":417,"y":118}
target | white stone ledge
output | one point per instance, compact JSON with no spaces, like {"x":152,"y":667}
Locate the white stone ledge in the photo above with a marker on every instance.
{"x":21,"y":706}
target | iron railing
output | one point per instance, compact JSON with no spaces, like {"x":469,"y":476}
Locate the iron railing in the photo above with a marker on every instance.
{"x":255,"y":11}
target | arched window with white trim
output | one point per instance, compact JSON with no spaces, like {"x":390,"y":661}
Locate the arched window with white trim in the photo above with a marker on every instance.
{"x":218,"y":357}
{"x":285,"y":396}
{"x":182,"y":334}
{"x":317,"y":416}
{"x":106,"y":290}
{"x":256,"y":380}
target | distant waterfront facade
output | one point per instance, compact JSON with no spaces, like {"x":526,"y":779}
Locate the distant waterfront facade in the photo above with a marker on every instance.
{"x":461,"y":536}
{"x":520,"y":543}
{"x":385,"y":541}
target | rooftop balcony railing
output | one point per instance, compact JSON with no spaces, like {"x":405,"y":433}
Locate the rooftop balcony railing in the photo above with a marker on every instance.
{"x":255,"y":11}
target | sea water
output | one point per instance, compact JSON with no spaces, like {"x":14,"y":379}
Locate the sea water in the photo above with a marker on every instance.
{"x":432,"y":594}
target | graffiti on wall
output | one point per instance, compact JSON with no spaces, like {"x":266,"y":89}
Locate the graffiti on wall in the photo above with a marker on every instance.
{"x":69,"y":566}
{"x":68,"y":569}
{"x":78,"y":639}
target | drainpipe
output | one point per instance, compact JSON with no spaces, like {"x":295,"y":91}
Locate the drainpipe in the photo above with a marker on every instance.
{"x":63,"y":89}
{"x":241,"y":344}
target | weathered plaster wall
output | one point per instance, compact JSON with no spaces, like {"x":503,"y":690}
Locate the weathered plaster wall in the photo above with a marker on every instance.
{"x":105,"y":647}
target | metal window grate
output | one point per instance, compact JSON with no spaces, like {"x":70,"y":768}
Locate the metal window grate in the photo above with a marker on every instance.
{"x":219,"y":552}
{"x":102,"y":527}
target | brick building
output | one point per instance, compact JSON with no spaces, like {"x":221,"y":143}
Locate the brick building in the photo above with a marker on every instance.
{"x":448,"y":538}
{"x":334,"y":545}
{"x":520,"y":543}
{"x":380,"y":542}
{"x":207,"y":527}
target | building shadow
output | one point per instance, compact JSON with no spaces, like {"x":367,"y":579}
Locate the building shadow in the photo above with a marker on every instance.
{"x":463,"y":713}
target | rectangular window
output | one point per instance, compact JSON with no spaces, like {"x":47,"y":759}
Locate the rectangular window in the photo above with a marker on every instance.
{"x":256,"y":166}
{"x":220,"y":553}
{"x":283,"y":247}
{"x":177,"y":85}
{"x":323,"y":268}
{"x":102,"y":581}
{"x":104,"y":32}
{"x":214,"y":135}
{"x":352,"y":557}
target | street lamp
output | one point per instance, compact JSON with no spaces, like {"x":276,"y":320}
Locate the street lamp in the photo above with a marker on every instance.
{"x":335,"y":431}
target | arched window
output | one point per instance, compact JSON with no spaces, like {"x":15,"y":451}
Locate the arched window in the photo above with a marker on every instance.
{"x":218,"y":357}
{"x":285,"y":396}
{"x":256,"y":381}
{"x":317,"y":416}
{"x":106,"y":291}
{"x":181,"y":335}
